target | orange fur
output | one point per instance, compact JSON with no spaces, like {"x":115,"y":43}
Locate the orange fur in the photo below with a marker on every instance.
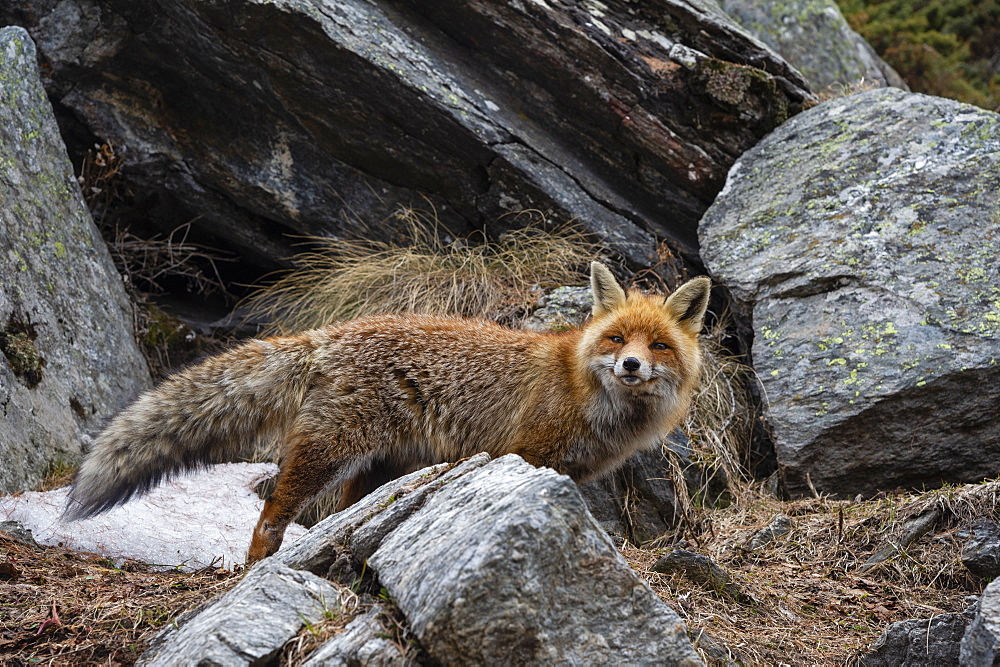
{"x":359,"y":402}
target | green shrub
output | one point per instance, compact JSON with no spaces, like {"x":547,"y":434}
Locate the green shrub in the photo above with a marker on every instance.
{"x":939,"y":47}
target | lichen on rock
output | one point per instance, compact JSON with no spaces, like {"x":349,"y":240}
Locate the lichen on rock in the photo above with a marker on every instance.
{"x":69,"y":355}
{"x":863,"y":238}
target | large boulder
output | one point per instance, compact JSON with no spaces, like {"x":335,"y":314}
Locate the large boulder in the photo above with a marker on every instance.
{"x":261,"y":119}
{"x":488,"y":562}
{"x":862,"y":239}
{"x":69,"y":353}
{"x":814,"y":37}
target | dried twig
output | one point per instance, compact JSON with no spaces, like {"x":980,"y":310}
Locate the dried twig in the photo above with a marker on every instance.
{"x":916,"y":528}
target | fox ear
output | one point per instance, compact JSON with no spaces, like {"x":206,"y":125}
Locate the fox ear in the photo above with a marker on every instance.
{"x":608,"y":293}
{"x":689,"y":302}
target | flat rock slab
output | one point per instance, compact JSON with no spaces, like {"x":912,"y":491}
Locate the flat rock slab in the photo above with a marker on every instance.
{"x":69,"y":357}
{"x":250,"y":623}
{"x":863,"y":240}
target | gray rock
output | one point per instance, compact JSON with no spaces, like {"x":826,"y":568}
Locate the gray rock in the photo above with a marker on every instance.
{"x":862,"y":240}
{"x":604,"y":500}
{"x":813,"y":36}
{"x":779,"y":527}
{"x":250,"y":623}
{"x":258,"y":119}
{"x":562,"y":308}
{"x":919,"y":642}
{"x":700,"y":569}
{"x":504,"y":565}
{"x":981,"y":553}
{"x":17,"y":532}
{"x":718,"y":653}
{"x":69,"y":355}
{"x":327,"y":548}
{"x":494,"y":561}
{"x":981,"y":642}
{"x":651,"y":506}
{"x":361,"y":644}
{"x":639,"y":500}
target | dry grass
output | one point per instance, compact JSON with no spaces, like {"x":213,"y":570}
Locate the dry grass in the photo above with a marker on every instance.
{"x":720,"y":423}
{"x":806,"y":602}
{"x":809,"y":604}
{"x":62,"y":607}
{"x":835,"y":90}
{"x":428,"y":273}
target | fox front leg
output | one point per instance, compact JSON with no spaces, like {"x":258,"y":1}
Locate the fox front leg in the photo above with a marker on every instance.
{"x":306,"y":472}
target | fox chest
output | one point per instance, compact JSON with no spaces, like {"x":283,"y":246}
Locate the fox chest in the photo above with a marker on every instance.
{"x":611,"y":440}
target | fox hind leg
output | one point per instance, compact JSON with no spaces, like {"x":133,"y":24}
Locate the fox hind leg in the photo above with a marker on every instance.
{"x":369,"y":479}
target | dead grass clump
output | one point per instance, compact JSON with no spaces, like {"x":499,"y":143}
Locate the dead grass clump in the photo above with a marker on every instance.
{"x":59,"y":606}
{"x":809,"y":599}
{"x":720,"y":422}
{"x":428,"y":273}
{"x":336,"y":617}
{"x":835,"y":90}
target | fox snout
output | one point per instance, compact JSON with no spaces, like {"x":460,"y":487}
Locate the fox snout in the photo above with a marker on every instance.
{"x":631,"y":364}
{"x":633,"y":371}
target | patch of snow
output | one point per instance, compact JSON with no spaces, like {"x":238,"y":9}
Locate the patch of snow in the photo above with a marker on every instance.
{"x":192,"y":521}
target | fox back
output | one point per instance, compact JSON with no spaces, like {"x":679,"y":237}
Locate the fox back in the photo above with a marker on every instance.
{"x":358,"y":403}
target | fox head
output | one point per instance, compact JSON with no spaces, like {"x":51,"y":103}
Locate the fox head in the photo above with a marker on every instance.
{"x":638,"y":343}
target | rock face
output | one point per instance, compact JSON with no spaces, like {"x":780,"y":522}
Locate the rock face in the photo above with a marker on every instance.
{"x":862,"y":239}
{"x":258,"y":119}
{"x":490,"y":562}
{"x":981,"y":643}
{"x":69,"y":355}
{"x":813,"y":36}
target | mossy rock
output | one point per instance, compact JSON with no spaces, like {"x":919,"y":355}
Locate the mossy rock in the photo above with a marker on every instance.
{"x":69,"y":359}
{"x":863,"y":238}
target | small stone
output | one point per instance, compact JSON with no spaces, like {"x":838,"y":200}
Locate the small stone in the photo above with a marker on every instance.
{"x":981,"y":554}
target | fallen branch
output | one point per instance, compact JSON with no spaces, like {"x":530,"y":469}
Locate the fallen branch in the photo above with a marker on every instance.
{"x":916,"y":528}
{"x":703,"y":571}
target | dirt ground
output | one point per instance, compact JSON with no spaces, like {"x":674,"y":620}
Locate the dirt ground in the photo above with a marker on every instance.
{"x":803,"y":599}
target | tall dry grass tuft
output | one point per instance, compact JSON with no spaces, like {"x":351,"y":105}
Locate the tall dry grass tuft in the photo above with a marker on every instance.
{"x":500,"y":280}
{"x":720,"y":423}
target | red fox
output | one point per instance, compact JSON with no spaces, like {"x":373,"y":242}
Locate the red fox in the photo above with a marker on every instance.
{"x":354,"y":404}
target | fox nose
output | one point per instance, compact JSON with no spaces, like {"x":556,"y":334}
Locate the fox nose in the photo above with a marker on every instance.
{"x":631,"y":364}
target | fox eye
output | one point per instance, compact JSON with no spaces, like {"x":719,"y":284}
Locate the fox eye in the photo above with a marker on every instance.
{"x":617,"y":340}
{"x":660,"y":346}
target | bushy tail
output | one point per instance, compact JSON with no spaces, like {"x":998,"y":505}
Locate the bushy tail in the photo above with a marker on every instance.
{"x":208,"y":413}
